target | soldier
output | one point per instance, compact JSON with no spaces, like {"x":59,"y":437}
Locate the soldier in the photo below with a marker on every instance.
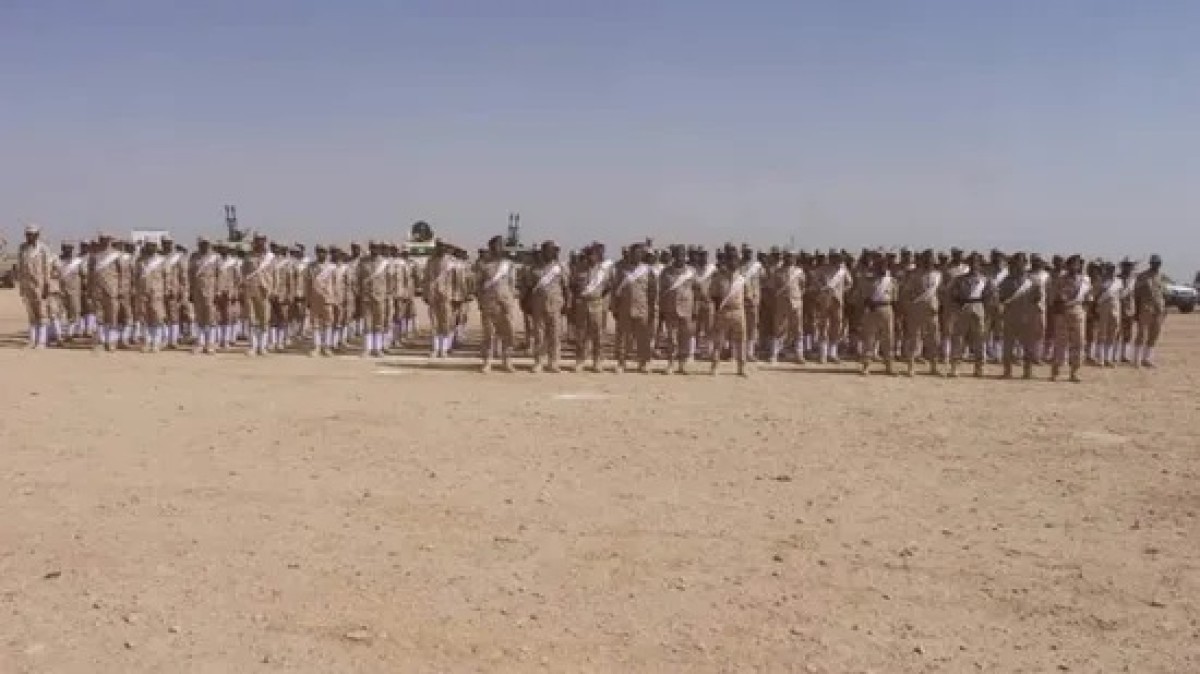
{"x":997,"y":271}
{"x":1070,"y":295}
{"x":442,"y":283}
{"x":590,"y":289}
{"x":204,"y":288}
{"x":969,"y":294}
{"x":496,"y":282}
{"x":298,"y":311}
{"x":786,"y":306}
{"x":920,"y":295}
{"x":373,"y":282}
{"x":88,"y":320}
{"x":547,"y":300}
{"x":1151,"y":304}
{"x":752,"y":272}
{"x":1021,"y":296}
{"x":704,"y":306}
{"x":833,"y":281}
{"x":1042,"y":277}
{"x":466,"y":291}
{"x":406,"y":310}
{"x":282,"y":298}
{"x":877,"y":294}
{"x":634,"y":306}
{"x":1092,"y":320}
{"x":258,"y":288}
{"x":677,"y":289}
{"x":151,"y":288}
{"x":323,"y":295}
{"x":72,"y":269}
{"x":105,"y":271}
{"x":1128,"y":309}
{"x":176,"y":272}
{"x":1107,"y":307}
{"x":228,"y":290}
{"x":129,"y":313}
{"x":353,"y":317}
{"x":35,"y":265}
{"x":728,"y":294}
{"x":344,"y":306}
{"x":951,"y":270}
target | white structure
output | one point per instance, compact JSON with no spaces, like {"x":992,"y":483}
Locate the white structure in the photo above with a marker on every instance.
{"x":140,"y":236}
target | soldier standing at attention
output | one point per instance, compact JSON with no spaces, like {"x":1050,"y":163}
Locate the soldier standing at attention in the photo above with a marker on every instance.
{"x":1151,"y":312}
{"x":547,"y":299}
{"x":919,"y":299}
{"x":496,"y":282}
{"x":34,"y":262}
{"x":997,"y":271}
{"x":1128,"y":310}
{"x":1070,"y":296}
{"x":105,"y":271}
{"x":728,"y":294}
{"x":372,"y":285}
{"x":1021,"y":296}
{"x":589,"y":300}
{"x":128,"y":311}
{"x":152,"y":285}
{"x":833,"y":281}
{"x":299,"y":306}
{"x":204,"y":276}
{"x":970,"y":293}
{"x":878,"y":296}
{"x":1041,"y":276}
{"x":321,"y":293}
{"x":72,"y":269}
{"x":787,"y":283}
{"x":677,"y":308}
{"x":634,"y":306}
{"x":258,"y":289}
{"x":752,"y":272}
{"x":343,"y":312}
{"x":704,"y":306}
{"x":440,"y":284}
{"x":951,"y":270}
{"x":176,"y":292}
{"x":1107,"y":307}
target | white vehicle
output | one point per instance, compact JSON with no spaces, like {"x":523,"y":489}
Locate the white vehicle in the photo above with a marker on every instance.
{"x":141,"y":236}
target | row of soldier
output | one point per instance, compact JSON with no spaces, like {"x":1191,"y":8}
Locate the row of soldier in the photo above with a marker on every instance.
{"x":920,"y":308}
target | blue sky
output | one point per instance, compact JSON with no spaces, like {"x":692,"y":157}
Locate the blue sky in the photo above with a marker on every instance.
{"x":1062,"y":125}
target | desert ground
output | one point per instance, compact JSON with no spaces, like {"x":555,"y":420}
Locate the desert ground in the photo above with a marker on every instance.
{"x":175,"y":513}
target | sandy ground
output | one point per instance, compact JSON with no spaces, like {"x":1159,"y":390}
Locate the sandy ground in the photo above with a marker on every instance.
{"x":225,"y":514}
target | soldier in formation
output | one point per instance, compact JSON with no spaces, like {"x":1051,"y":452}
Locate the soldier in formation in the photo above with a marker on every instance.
{"x":676,"y":304}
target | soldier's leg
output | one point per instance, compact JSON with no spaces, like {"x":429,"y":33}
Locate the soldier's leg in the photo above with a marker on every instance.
{"x":978,"y":336}
{"x":552,"y":338}
{"x":621,"y":342}
{"x":643,"y":332}
{"x":871,"y":329}
{"x":795,"y":331}
{"x":740,"y":340}
{"x":834,"y":328}
{"x":751,"y":323}
{"x":597,"y":319}
{"x":720,"y":335}
{"x":686,"y":335}
{"x":1076,"y":335}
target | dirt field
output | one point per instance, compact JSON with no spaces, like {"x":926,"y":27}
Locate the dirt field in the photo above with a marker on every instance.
{"x":225,"y":514}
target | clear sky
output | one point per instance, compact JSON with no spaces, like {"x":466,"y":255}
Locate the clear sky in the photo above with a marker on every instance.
{"x":1058,"y":125}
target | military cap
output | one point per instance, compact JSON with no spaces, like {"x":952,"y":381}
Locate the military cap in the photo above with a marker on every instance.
{"x":32,"y":229}
{"x":321,"y":249}
{"x":1155,"y":259}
